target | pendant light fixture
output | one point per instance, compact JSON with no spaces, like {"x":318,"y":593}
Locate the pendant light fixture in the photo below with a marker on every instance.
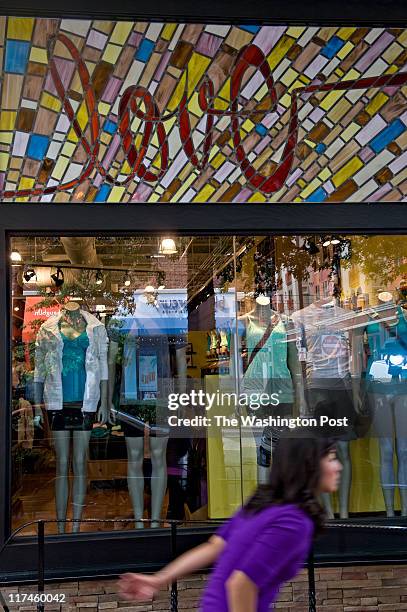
{"x":168,"y":246}
{"x":263,"y":300}
{"x":15,"y":256}
{"x":331,"y":240}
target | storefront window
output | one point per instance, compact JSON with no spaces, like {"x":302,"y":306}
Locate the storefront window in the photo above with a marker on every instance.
{"x":152,"y":377}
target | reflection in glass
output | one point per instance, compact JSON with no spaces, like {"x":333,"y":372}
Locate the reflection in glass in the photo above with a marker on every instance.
{"x":272,"y":331}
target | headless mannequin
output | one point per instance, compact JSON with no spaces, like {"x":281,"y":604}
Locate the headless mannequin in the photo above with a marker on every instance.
{"x":135,"y":453}
{"x":390,"y":419}
{"x":342,"y":445}
{"x":72,"y":325}
{"x":263,"y":314}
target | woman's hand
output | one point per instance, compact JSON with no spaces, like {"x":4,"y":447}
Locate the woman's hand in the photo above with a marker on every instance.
{"x":142,"y":586}
{"x":138,"y":587}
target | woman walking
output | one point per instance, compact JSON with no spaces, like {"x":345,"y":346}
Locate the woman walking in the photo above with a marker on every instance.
{"x":266,"y":542}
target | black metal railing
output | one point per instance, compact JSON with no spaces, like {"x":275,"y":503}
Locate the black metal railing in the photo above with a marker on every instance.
{"x":173,"y":531}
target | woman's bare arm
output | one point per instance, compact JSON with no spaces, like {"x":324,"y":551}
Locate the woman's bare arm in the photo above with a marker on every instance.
{"x":142,"y":586}
{"x":193,"y":560}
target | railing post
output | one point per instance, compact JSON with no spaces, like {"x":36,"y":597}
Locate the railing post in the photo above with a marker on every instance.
{"x":3,"y":603}
{"x":174,"y":585}
{"x":41,"y":564}
{"x":311,"y":582}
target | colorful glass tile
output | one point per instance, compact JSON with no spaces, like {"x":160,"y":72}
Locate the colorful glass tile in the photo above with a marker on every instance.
{"x":145,"y":50}
{"x":16,"y":56}
{"x":37,"y":146}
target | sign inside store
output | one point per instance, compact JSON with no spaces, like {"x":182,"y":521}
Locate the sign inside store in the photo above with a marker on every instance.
{"x":138,"y":102}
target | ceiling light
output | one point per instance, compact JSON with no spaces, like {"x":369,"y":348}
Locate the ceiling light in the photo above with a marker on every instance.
{"x":127,"y":280}
{"x":29,"y":275}
{"x":335,"y":241}
{"x":99,"y":277}
{"x":263,"y":300}
{"x":326,"y":243}
{"x":167,"y":246}
{"x":58,"y":277}
{"x":385,"y":296}
{"x":15,"y":256}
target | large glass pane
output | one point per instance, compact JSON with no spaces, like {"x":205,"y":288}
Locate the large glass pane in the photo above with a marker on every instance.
{"x":323,"y":325}
{"x":152,"y":380}
{"x":109,"y":334}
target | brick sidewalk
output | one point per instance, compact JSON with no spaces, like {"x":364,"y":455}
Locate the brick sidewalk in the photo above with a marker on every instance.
{"x":348,"y":589}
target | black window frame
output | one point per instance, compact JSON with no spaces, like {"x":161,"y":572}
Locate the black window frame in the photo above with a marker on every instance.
{"x":106,"y":553}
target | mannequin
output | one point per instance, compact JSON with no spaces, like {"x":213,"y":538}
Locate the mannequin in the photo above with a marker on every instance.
{"x":331,"y":387}
{"x":270,"y":366}
{"x":70,"y":379}
{"x":128,"y":334}
{"x":386,"y":375}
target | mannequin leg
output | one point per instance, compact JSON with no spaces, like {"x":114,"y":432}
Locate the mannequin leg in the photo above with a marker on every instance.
{"x":346,"y":478}
{"x":263,"y":474}
{"x":158,"y":447}
{"x":61,"y":443}
{"x":317,"y":404}
{"x":383,"y":427}
{"x":80,"y":464}
{"x":400,"y":421}
{"x":326,"y":502}
{"x":135,"y":477}
{"x":264,"y":449}
{"x":387,"y":474}
{"x":401,"y":449}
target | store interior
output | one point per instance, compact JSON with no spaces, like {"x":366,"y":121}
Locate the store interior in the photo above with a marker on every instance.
{"x":174,"y":314}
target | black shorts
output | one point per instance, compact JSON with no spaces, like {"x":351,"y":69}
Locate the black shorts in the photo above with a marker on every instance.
{"x":134,"y":418}
{"x":71,"y":418}
{"x":335,"y":402}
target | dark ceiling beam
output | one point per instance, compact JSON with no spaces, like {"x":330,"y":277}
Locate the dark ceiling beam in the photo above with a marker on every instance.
{"x":319,"y":12}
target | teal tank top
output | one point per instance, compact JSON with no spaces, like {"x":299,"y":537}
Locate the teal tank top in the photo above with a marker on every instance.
{"x":388,"y":348}
{"x":268,"y":372}
{"x":73,"y":367}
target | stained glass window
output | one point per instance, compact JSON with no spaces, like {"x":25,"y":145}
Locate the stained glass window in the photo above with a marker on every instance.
{"x":102,"y":111}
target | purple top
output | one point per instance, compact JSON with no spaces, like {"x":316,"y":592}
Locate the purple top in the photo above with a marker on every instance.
{"x":270,"y":547}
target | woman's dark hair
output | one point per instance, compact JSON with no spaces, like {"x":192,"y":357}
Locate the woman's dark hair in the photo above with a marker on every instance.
{"x":295,"y":476}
